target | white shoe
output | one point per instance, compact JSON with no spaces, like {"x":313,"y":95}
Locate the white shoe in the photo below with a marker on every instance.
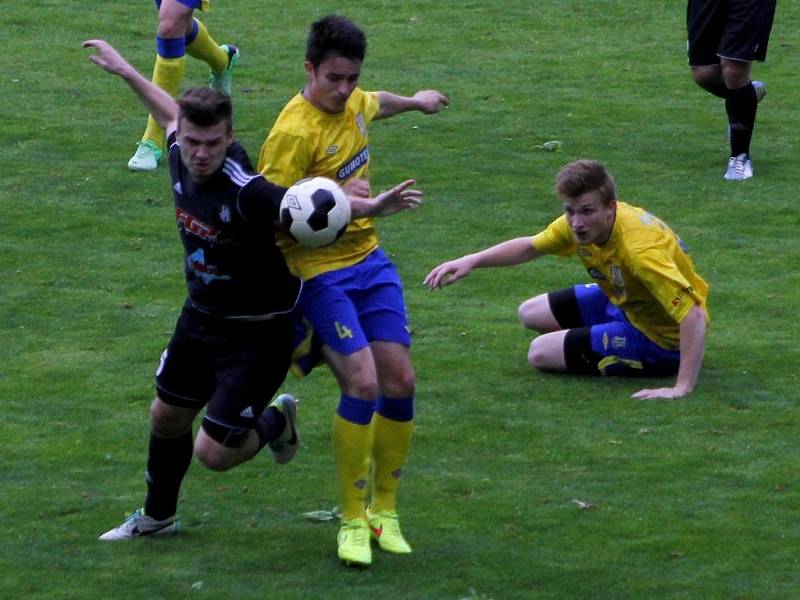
{"x":147,"y":157}
{"x":138,"y":524}
{"x":761,"y":89}
{"x":739,"y":168}
{"x":285,"y":446}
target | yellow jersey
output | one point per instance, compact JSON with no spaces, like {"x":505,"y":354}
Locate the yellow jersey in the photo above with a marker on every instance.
{"x":643,"y":268}
{"x":307,"y":142}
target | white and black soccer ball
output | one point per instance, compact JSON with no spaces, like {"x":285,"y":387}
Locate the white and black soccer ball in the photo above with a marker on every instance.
{"x":315,"y":212}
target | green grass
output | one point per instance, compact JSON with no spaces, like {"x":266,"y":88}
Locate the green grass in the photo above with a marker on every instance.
{"x":693,"y":499}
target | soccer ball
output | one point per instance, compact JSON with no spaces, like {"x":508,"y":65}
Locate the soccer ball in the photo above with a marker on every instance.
{"x":315,"y":212}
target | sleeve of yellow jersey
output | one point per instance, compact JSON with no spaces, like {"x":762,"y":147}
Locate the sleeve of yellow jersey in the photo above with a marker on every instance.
{"x":284,"y":158}
{"x":556,"y":239}
{"x":658,"y":273}
{"x":372,"y":105}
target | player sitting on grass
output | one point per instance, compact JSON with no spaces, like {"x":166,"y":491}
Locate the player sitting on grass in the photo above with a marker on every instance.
{"x":644,"y":315}
{"x":232,"y":344}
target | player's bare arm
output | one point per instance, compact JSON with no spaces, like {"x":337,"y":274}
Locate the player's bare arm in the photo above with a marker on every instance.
{"x":425,"y":101}
{"x":157,"y":102}
{"x":392,"y":201}
{"x":693,"y":335}
{"x":508,"y":253}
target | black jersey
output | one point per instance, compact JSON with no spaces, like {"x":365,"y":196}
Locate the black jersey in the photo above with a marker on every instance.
{"x":227,"y":226}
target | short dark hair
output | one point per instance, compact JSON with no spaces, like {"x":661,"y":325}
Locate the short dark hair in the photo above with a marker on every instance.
{"x":205,"y":107}
{"x":584,"y":176}
{"x":334,"y":35}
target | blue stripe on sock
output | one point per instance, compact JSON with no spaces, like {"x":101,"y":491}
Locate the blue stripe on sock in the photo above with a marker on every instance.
{"x":170,"y":47}
{"x":396,"y":409}
{"x":355,"y":410}
{"x":195,"y":28}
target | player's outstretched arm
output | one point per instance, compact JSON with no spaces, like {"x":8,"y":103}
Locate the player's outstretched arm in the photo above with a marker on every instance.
{"x":693,"y":336}
{"x":392,"y":201}
{"x":511,"y":252}
{"x":157,"y":102}
{"x":426,"y":101}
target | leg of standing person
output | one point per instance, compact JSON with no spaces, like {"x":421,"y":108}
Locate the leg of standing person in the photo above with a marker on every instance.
{"x":178,"y":33}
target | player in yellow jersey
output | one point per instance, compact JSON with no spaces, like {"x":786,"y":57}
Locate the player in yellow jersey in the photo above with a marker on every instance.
{"x":179,"y":34}
{"x":352,"y":296}
{"x":645,"y":315}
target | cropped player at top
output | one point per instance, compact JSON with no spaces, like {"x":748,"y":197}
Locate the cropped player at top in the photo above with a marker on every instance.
{"x":645,"y":313}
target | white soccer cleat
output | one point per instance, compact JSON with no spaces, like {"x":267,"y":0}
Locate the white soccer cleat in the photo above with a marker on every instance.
{"x":760,"y":88}
{"x":739,"y":168}
{"x":147,"y":157}
{"x":285,"y":446}
{"x":138,"y":524}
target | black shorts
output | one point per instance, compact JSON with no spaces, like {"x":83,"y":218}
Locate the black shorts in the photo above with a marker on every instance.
{"x":733,"y":29}
{"x":235,"y":367}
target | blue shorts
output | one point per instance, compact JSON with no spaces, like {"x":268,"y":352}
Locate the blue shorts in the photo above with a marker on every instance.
{"x":193,"y":4}
{"x":350,"y":307}
{"x":613,"y":337}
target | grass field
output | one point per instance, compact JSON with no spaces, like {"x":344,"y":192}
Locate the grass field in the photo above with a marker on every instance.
{"x":692,"y":499}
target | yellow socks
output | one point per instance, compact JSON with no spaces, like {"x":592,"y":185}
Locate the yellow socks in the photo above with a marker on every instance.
{"x":204,"y":48}
{"x":352,"y":440}
{"x":167,"y":74}
{"x":390,"y":448}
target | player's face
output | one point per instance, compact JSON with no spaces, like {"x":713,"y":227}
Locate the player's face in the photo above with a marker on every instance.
{"x":203,"y":148}
{"x":591,"y":221}
{"x":331,"y":83}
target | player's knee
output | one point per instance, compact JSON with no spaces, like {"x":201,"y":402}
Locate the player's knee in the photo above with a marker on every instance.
{"x":212,"y":458}
{"x":535,"y":314}
{"x":362,"y":388}
{"x":538,"y":354}
{"x":172,"y":26}
{"x":400,"y":385}
{"x":167,"y":421}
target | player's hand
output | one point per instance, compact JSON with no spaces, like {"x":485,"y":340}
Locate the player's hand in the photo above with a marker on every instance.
{"x":356,"y":187}
{"x":671,"y":393}
{"x":448,"y":273}
{"x":392,"y":201}
{"x":107,"y":58}
{"x":430,"y":101}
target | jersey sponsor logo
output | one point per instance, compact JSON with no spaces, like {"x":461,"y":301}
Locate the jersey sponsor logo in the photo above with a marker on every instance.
{"x":343,"y":331}
{"x":355,"y":163}
{"x":206,"y":273}
{"x":194,"y":225}
{"x":596,"y":274}
{"x":362,"y":124}
{"x":332,"y":149}
{"x":178,"y":188}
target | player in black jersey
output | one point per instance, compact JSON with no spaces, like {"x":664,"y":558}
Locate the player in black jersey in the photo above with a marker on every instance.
{"x":233,"y":340}
{"x":725,"y":37}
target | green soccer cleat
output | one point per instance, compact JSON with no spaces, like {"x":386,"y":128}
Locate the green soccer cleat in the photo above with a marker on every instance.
{"x":385,"y":528}
{"x":354,"y":543}
{"x":138,"y":525}
{"x":147,"y":157}
{"x":285,"y":446}
{"x":223,"y":82}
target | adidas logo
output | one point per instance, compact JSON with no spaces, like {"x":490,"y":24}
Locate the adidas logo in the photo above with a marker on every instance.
{"x":177,"y":187}
{"x":247,"y":412}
